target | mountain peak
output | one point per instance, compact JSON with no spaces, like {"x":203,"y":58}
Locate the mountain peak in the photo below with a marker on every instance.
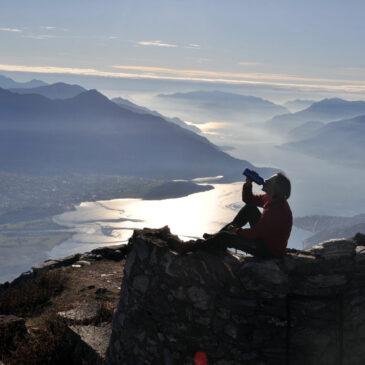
{"x":93,"y":95}
{"x":332,"y":101}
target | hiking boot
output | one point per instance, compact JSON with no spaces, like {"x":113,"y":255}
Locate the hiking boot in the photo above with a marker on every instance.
{"x":193,"y":245}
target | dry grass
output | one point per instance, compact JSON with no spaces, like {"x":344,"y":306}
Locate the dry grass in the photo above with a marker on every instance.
{"x":25,"y":298}
{"x":45,"y":346}
{"x":40,"y":298}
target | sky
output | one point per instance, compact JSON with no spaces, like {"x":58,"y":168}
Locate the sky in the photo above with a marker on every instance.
{"x":313,"y":45}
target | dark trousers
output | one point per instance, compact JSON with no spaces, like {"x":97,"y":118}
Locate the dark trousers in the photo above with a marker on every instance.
{"x":223,"y":239}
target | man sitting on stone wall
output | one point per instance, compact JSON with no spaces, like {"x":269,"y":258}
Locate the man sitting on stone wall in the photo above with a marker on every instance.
{"x":269,"y":231}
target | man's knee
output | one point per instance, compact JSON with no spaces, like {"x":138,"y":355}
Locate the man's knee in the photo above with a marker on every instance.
{"x":251,"y":209}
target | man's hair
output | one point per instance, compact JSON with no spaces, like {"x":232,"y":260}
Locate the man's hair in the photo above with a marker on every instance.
{"x":285,"y":185}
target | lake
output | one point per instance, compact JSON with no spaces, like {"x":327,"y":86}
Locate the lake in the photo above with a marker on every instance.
{"x":113,"y":221}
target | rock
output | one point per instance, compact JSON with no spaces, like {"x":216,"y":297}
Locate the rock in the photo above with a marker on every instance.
{"x":360,"y":254}
{"x":265,"y":277}
{"x":83,"y":263}
{"x":12,"y":328}
{"x":88,"y":256}
{"x":115,"y":253}
{"x":140,"y":283}
{"x":334,"y":249}
{"x":46,"y":265}
{"x":82,"y":315}
{"x":306,"y":308}
{"x":54,"y":264}
{"x":198,"y":297}
{"x":69,"y":260}
{"x":102,"y":293}
{"x":91,"y":343}
{"x":359,"y":238}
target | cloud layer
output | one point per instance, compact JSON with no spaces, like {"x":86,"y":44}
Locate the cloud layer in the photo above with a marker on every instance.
{"x":235,"y":78}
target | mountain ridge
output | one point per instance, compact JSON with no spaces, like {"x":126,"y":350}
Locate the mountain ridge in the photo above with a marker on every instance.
{"x":90,"y":133}
{"x":326,"y":110}
{"x":58,"y":90}
{"x":141,"y":109}
{"x":7,"y":83}
{"x":340,"y":141}
{"x":223,"y":103}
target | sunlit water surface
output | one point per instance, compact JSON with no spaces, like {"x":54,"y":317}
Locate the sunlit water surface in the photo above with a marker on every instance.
{"x":112,"y":222}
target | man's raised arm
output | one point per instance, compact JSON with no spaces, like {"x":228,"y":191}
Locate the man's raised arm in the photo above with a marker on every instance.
{"x":248,"y":197}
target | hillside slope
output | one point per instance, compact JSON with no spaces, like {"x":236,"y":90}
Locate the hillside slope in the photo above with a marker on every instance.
{"x":91,"y":134}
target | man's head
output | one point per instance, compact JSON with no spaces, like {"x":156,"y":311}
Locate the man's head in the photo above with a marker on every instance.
{"x":277,"y":186}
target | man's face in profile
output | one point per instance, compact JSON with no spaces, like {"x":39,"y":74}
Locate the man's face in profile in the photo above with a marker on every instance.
{"x":271,"y":185}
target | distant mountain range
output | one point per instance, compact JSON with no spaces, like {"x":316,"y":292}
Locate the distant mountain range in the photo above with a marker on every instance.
{"x":143,"y":110}
{"x":342,"y":142}
{"x":328,"y":227}
{"x":305,"y":130}
{"x":8,"y":83}
{"x":326,"y":110}
{"x":91,"y":134}
{"x":58,"y":90}
{"x":298,"y":104}
{"x":252,"y":108}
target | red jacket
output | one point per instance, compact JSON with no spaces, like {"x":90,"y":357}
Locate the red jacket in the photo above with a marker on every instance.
{"x":275,"y":224}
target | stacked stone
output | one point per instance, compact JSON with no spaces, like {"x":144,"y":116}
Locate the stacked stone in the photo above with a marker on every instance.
{"x":305,"y":308}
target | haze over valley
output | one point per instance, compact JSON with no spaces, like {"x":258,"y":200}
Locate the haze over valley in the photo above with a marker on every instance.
{"x":119,"y":115}
{"x":62,"y":144}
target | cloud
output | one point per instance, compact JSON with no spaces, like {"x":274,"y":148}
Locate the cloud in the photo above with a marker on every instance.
{"x":39,"y":36}
{"x":294,"y":82}
{"x":235,"y":77}
{"x":45,"y":27}
{"x":12,"y":30}
{"x":52,"y":28}
{"x":249,"y":64}
{"x":193,"y":46}
{"x":157,"y":43}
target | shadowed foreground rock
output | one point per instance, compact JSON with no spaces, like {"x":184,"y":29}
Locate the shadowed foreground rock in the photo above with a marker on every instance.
{"x":11,"y":329}
{"x":306,"y":308}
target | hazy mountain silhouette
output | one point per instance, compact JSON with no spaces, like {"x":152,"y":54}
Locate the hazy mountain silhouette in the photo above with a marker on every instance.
{"x":253,"y":108}
{"x":91,"y":134}
{"x":341,"y":141}
{"x":298,"y":104}
{"x":328,"y":227}
{"x":326,"y":110}
{"x":143,"y":110}
{"x":304,"y":131}
{"x":58,"y":90}
{"x":8,"y":83}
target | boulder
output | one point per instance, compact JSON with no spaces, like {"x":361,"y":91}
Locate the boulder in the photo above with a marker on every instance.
{"x":82,"y":315}
{"x":115,"y":253}
{"x":12,"y":328}
{"x":90,"y":343}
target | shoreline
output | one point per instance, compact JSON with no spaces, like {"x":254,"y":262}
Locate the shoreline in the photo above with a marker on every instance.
{"x":28,"y":235}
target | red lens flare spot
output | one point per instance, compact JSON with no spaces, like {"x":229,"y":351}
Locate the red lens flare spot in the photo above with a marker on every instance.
{"x":200,"y":358}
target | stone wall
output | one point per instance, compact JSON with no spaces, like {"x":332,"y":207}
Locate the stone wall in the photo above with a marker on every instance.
{"x":306,"y":308}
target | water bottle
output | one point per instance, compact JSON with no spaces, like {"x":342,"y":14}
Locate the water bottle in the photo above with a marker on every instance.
{"x":254,"y":176}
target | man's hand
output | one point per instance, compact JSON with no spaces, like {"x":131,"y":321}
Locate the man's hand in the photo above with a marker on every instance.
{"x":246,"y":188}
